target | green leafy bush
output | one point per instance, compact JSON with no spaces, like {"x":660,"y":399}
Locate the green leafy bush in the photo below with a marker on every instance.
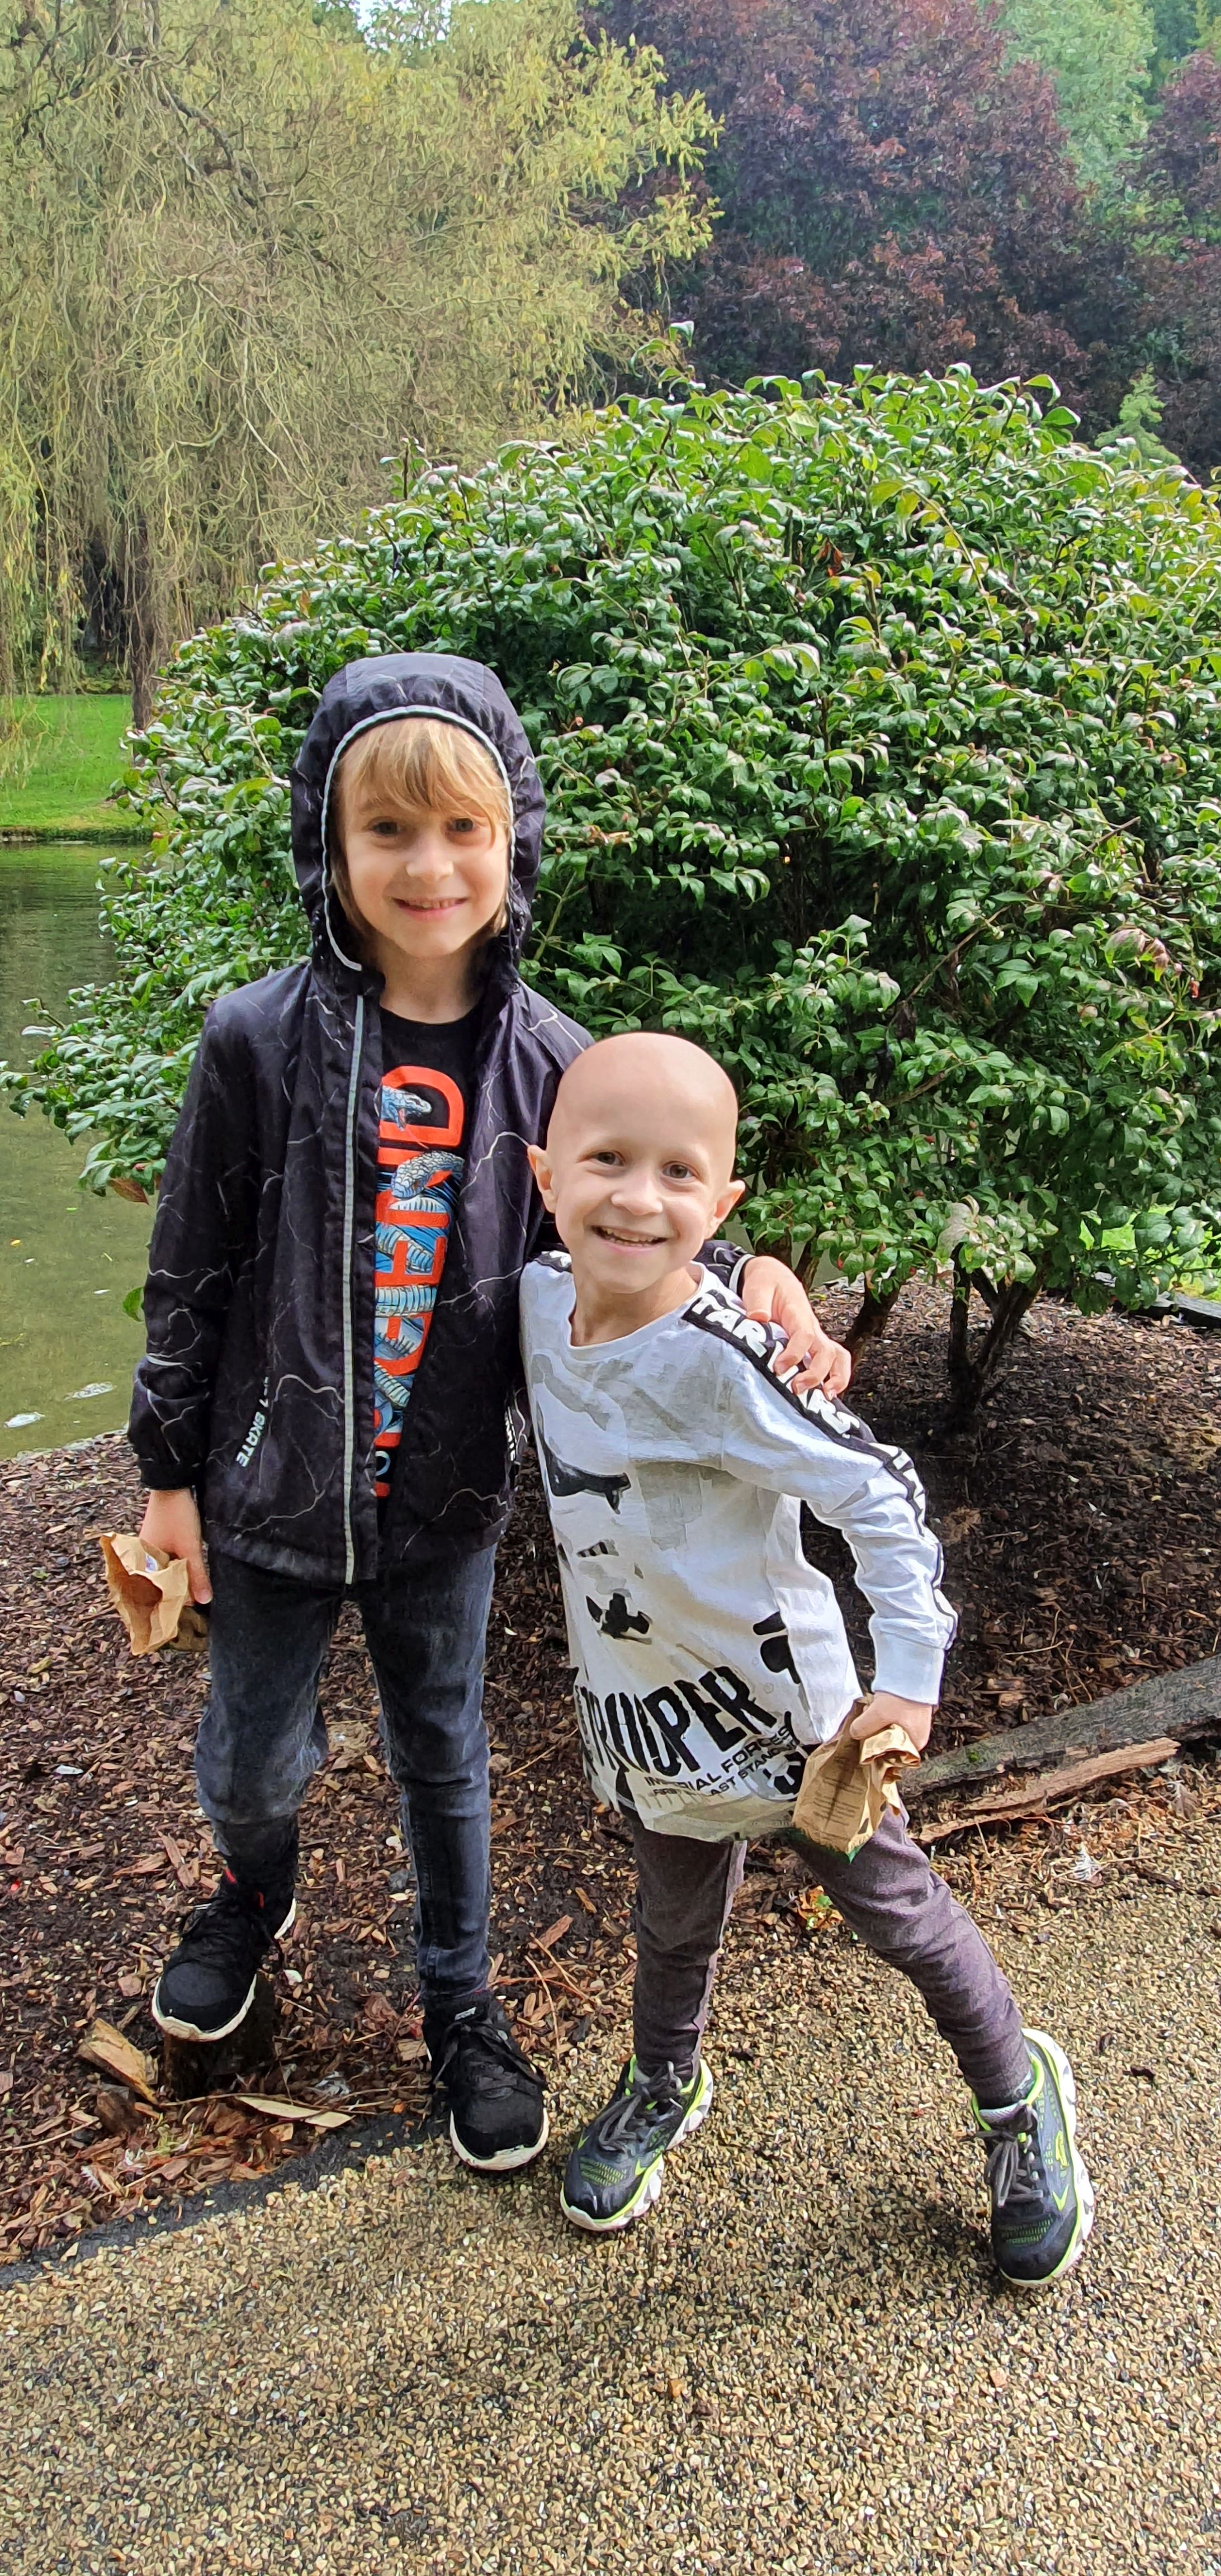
{"x":881,"y":729}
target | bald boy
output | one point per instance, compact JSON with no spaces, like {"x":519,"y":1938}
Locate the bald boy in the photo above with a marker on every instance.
{"x":639,"y":1154}
{"x":710,"y":1656}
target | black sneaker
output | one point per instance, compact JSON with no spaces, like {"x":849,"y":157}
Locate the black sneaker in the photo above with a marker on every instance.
{"x":616,"y":2168}
{"x":206,"y":1989}
{"x":1042,"y":2196}
{"x":497,"y":2117}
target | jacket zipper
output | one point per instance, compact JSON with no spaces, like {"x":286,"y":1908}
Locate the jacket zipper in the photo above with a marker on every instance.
{"x":349,"y":1227}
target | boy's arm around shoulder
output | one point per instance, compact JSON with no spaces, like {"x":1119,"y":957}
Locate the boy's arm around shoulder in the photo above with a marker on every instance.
{"x":812,"y":1447}
{"x":773,"y":1293}
{"x":206,"y":1209}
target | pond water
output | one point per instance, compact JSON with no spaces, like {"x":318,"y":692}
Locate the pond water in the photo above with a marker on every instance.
{"x":67,"y":1257}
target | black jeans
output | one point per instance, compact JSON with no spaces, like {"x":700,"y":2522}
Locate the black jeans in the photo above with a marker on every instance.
{"x":262,"y":1736}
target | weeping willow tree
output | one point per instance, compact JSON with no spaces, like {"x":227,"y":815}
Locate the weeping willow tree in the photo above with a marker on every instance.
{"x":254,"y":248}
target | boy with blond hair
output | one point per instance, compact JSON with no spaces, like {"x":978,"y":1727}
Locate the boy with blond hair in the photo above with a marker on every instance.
{"x":332,"y":1368}
{"x":710,"y":1656}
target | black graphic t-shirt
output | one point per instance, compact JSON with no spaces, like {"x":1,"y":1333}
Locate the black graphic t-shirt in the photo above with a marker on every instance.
{"x":425,"y":1111}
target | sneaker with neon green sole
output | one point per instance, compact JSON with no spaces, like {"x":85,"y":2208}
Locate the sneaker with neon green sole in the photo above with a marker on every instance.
{"x":1042,"y":2196}
{"x":617,"y":2166}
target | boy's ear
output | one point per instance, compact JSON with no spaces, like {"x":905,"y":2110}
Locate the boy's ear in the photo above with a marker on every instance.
{"x":728,"y":1199}
{"x":541,"y":1169}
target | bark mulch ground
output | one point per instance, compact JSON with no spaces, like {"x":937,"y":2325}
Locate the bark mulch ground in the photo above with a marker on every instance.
{"x":1082,"y":1527}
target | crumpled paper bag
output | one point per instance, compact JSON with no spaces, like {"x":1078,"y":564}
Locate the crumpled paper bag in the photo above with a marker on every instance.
{"x":844,"y":1795}
{"x":151,"y":1593}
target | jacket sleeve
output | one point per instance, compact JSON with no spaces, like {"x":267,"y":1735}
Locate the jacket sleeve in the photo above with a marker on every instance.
{"x":814,"y":1448}
{"x":726,"y":1261}
{"x":206,"y":1211}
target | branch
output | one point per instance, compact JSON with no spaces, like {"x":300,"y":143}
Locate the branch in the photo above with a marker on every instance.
{"x":951,"y":957}
{"x":243,"y":173}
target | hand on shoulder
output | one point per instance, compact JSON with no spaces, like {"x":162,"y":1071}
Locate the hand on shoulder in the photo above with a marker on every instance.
{"x":772,"y":1294}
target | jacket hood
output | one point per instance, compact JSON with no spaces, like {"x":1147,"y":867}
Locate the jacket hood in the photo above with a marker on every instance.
{"x":376,"y":691}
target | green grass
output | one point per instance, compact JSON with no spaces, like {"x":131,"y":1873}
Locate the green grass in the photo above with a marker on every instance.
{"x":70,"y":754}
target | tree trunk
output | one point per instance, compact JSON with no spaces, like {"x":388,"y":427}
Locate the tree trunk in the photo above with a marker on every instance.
{"x":139,"y":617}
{"x":968,"y":1367}
{"x":992,"y":1296}
{"x":774,"y":1247}
{"x":871,"y":1318}
{"x":957,"y":1350}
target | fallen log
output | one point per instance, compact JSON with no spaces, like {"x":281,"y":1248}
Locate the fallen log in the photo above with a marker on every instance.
{"x":1198,"y":1310}
{"x":1052,"y":1788}
{"x":1182,"y":1705}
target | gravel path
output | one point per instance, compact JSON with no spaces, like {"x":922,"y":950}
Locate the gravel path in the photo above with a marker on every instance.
{"x":801,"y":2362}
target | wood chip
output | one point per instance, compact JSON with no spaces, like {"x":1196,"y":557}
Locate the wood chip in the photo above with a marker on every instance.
{"x":119,"y":2115}
{"x":546,"y":1940}
{"x":183,"y":1872}
{"x":272,"y":2109}
{"x":106,"y":2047}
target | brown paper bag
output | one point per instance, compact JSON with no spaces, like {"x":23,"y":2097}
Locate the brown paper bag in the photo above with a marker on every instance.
{"x":843,"y":1795}
{"x":151,"y":1593}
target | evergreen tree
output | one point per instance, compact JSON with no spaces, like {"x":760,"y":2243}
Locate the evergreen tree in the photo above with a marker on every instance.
{"x":1098,"y":53}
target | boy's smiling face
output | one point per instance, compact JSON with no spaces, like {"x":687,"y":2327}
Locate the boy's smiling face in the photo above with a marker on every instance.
{"x":427,"y":886}
{"x":637,"y":1172}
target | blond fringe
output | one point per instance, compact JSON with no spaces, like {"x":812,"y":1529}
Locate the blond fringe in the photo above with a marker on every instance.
{"x":420,"y":765}
{"x":414,"y":766}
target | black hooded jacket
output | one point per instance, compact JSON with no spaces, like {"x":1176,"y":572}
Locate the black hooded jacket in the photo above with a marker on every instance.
{"x":257,"y":1385}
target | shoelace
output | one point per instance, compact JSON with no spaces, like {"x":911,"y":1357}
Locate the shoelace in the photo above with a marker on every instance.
{"x":224,"y":1922}
{"x":1013,"y":2164}
{"x":623,"y":2120}
{"x":492,"y":2042}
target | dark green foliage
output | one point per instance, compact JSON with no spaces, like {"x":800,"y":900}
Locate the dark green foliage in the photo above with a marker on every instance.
{"x":1178,"y":27}
{"x":881,"y":728}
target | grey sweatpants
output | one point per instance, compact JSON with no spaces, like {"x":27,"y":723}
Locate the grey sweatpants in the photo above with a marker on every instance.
{"x":889,"y":1896}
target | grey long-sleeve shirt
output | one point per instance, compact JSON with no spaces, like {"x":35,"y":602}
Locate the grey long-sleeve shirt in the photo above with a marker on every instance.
{"x":709,"y":1654}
